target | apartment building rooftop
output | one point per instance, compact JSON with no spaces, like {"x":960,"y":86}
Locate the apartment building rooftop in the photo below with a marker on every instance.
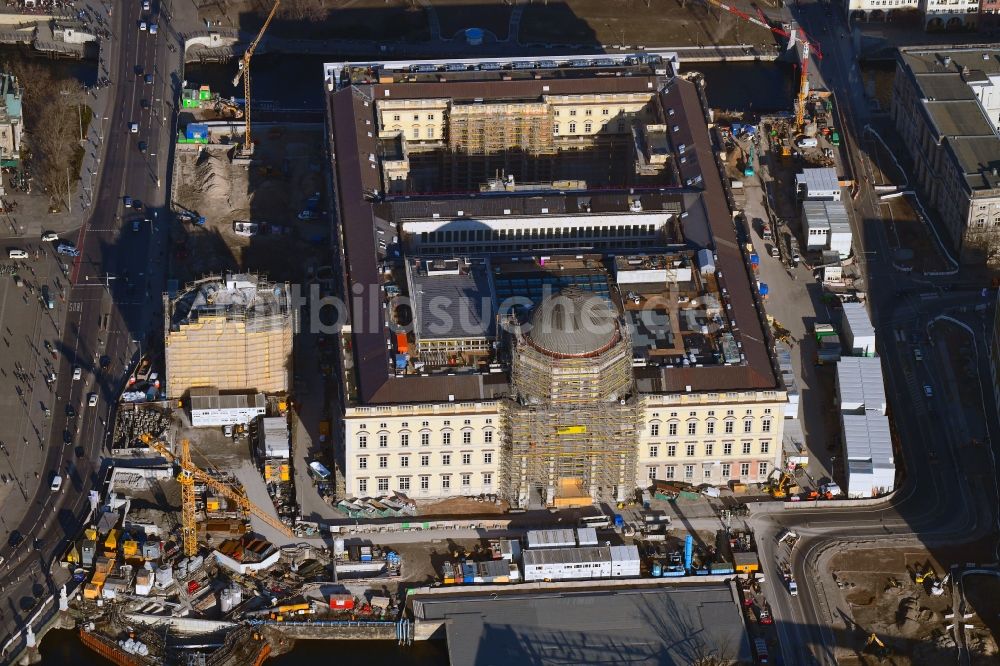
{"x":504,"y":235}
{"x":957,"y":88}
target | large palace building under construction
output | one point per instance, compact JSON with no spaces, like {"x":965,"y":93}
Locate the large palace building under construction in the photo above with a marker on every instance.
{"x":548,"y":301}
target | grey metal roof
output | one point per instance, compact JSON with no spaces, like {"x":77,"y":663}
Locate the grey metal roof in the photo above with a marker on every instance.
{"x":539,"y":556}
{"x":573,"y":322}
{"x":452,"y":306}
{"x":208,"y":398}
{"x":814,"y":215}
{"x":822,"y":179}
{"x":959,"y":118}
{"x":867,"y":438}
{"x":933,"y":60}
{"x":856,"y":316}
{"x":859,"y":381}
{"x":663,"y":626}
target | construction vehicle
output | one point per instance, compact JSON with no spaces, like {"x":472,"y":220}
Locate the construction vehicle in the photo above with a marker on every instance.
{"x":928,"y":575}
{"x":779,"y":489}
{"x":789,"y":580}
{"x":244,"y":73}
{"x":189,"y":475}
{"x":748,"y":167}
{"x":789,"y":536}
{"x":875,"y":646}
{"x":764,"y":616}
{"x":794,"y":36}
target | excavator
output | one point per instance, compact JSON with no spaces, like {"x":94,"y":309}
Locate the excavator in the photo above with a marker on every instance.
{"x":929,"y":576}
{"x":875,"y":646}
{"x":779,"y":489}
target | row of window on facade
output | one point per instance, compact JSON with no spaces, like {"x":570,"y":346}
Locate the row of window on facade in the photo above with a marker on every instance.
{"x":690,"y":449}
{"x":425,"y":438}
{"x":486,"y":235}
{"x":670,"y":471}
{"x":425,"y":460}
{"x":405,"y":483}
{"x":729,"y":426}
{"x":588,"y":112}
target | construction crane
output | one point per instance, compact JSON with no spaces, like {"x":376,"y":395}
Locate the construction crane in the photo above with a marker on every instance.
{"x":244,"y":72}
{"x":191,"y":474}
{"x":794,"y":35}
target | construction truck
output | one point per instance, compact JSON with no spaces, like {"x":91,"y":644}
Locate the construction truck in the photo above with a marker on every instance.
{"x":787,"y":535}
{"x":748,"y":167}
{"x":789,"y":580}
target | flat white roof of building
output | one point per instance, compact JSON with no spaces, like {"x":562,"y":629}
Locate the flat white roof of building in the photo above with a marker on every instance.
{"x":819,"y":180}
{"x":867,"y":438}
{"x":857,"y":318}
{"x":859,"y":380}
{"x":543,"y":538}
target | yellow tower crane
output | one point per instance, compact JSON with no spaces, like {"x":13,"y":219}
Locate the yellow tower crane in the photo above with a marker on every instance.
{"x":244,"y":73}
{"x":191,"y":474}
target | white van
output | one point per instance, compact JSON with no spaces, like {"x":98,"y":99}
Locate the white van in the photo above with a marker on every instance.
{"x":807,"y":142}
{"x":56,"y":483}
{"x":17,"y":254}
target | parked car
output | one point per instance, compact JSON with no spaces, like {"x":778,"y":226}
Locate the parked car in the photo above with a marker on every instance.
{"x":50,"y":236}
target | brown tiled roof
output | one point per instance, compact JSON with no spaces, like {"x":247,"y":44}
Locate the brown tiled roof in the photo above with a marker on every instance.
{"x":758,"y":373}
{"x":354,"y":143}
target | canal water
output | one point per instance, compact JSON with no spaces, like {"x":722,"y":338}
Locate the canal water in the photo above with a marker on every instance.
{"x":62,"y":647}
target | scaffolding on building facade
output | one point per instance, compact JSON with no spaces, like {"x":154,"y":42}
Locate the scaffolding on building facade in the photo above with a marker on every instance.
{"x":572,"y":425}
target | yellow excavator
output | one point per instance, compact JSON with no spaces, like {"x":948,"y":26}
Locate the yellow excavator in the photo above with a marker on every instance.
{"x":779,"y":489}
{"x":875,"y":646}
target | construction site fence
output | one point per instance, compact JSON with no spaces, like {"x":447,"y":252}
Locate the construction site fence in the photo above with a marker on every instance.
{"x":405,"y":526}
{"x":323,"y":623}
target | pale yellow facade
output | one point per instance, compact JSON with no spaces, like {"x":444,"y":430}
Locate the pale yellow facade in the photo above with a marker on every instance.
{"x":425,"y":122}
{"x":711,"y":438}
{"x":432,"y":451}
{"x":424,"y":451}
{"x":227,"y":354}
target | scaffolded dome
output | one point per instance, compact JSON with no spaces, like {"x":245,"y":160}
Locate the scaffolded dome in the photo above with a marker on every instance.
{"x":573,"y":323}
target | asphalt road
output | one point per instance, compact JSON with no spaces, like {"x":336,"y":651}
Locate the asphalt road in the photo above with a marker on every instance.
{"x":115,"y":294}
{"x":938,"y":503}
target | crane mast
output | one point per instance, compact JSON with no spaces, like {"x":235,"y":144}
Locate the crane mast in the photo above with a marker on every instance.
{"x":794,"y":35}
{"x":189,"y":475}
{"x":244,"y":72}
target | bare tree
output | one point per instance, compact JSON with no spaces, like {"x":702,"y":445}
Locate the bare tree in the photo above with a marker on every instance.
{"x":53,"y":111}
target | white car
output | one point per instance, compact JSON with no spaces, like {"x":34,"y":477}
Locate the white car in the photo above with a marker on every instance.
{"x":50,"y":236}
{"x":92,"y":400}
{"x":77,"y":373}
{"x":133,"y":127}
{"x":142,"y":26}
{"x":918,"y":355}
{"x":145,"y":5}
{"x":17,"y":254}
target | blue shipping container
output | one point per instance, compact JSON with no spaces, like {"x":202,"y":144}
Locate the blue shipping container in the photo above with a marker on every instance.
{"x":197,"y":131}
